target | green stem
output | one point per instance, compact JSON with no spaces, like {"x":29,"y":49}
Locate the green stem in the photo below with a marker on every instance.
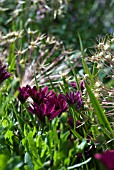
{"x":18,"y":119}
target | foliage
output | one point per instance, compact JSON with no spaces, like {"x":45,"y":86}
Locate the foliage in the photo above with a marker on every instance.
{"x":56,"y":104}
{"x":62,"y":18}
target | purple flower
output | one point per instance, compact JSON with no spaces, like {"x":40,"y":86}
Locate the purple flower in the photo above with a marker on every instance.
{"x":41,"y":111}
{"x":74,"y":99}
{"x":45,"y":103}
{"x":38,"y":96}
{"x":71,"y":123}
{"x":51,"y":107}
{"x":82,"y":85}
{"x":59,"y":103}
{"x":73,"y":84}
{"x":107,"y":158}
{"x":23,"y":95}
{"x":3,"y":73}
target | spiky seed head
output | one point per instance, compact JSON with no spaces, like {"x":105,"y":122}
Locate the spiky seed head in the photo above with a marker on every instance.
{"x":96,"y":95}
{"x":98,"y":84}
{"x":101,"y":54}
{"x":86,"y":76}
{"x":100,"y":45}
{"x":113,"y":60}
{"x":108,"y":56}
{"x":106,"y":46}
{"x":112,"y":40}
{"x":99,"y":66}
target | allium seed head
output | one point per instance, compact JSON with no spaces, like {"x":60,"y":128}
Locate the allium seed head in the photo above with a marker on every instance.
{"x":100,"y":45}
{"x":108,"y":56}
{"x":99,"y":66}
{"x":106,"y":47}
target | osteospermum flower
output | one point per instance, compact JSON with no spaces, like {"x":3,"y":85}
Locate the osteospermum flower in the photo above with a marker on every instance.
{"x":81,"y":85}
{"x":38,"y":96}
{"x":59,"y":104}
{"x":41,"y":111}
{"x":107,"y":158}
{"x":4,"y":74}
{"x":51,"y":107}
{"x":74,"y":99}
{"x":23,"y":94}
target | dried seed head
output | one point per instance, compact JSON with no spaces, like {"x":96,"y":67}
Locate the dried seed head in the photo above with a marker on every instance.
{"x":22,"y":61}
{"x":112,"y":40}
{"x":88,"y":100}
{"x":11,"y":40}
{"x":93,"y":58}
{"x":98,"y":84}
{"x":101,"y":54}
{"x":86,"y":105}
{"x":113,"y":60}
{"x":100,"y":45}
{"x":31,"y":32}
{"x":86,"y":76}
{"x":97,"y":90}
{"x":110,"y":94}
{"x":108,"y":56}
{"x":106,"y":46}
{"x":96,"y":95}
{"x":84,"y":91}
{"x":99,"y":66}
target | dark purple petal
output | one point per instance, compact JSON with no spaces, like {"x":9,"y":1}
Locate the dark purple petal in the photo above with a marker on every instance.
{"x":73,"y":99}
{"x":54,"y":114}
{"x":45,"y":90}
{"x":23,"y":94}
{"x":73,"y":84}
{"x":61,"y":103}
{"x":31,"y":109}
{"x":4,"y":74}
{"x":39,"y":96}
{"x":82,"y":85}
{"x":107,"y":158}
{"x":70,"y":122}
{"x":34,"y":94}
{"x":35,"y":109}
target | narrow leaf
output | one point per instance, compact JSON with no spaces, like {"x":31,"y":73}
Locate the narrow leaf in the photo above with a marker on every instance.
{"x":98,"y":109}
{"x":80,"y":164}
{"x":87,"y":71}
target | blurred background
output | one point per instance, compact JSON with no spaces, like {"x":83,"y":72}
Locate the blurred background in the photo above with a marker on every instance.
{"x":60,"y":18}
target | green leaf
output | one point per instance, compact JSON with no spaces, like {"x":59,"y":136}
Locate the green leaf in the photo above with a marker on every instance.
{"x":80,"y":164}
{"x":5,"y":123}
{"x":31,"y":142}
{"x":95,"y":70}
{"x":9,"y":134}
{"x":3,"y":160}
{"x":76,"y":134}
{"x":87,"y":71}
{"x":28,"y":161}
{"x":75,"y":76}
{"x":80,"y":147}
{"x":81,"y":45}
{"x":66,"y":87}
{"x":98,"y":110}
